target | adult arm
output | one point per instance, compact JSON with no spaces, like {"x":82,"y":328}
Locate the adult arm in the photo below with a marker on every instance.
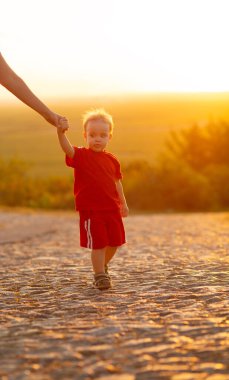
{"x":13,"y":83}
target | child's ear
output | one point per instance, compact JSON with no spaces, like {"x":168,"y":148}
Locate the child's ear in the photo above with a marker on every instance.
{"x":110,"y":136}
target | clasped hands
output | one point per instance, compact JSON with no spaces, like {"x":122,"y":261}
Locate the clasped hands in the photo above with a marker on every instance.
{"x":63,"y":125}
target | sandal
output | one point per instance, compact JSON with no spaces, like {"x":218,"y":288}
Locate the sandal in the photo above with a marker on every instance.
{"x":102,"y":281}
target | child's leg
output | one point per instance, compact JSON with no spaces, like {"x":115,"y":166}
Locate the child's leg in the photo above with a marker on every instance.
{"x":101,"y":280}
{"x":98,"y":260}
{"x":109,"y":253}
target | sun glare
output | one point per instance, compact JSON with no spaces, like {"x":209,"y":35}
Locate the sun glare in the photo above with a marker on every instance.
{"x":116,"y":46}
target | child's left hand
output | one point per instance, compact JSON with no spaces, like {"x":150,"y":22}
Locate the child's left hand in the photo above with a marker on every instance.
{"x":124,"y":210}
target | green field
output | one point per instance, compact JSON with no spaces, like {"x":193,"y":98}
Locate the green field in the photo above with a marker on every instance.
{"x":142,"y":124}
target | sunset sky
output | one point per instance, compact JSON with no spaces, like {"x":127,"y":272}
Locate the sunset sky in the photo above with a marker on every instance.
{"x":89,"y":47}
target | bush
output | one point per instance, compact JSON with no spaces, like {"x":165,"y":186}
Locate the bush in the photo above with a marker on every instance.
{"x":180,"y":188}
{"x":218,"y":177}
{"x":18,"y":189}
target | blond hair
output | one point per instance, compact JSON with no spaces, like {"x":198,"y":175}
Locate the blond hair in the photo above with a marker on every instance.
{"x":98,"y":114}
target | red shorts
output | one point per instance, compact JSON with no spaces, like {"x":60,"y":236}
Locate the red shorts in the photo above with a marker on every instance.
{"x":99,"y":229}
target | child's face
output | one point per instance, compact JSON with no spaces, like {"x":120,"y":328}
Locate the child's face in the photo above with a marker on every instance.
{"x":97,"y":135}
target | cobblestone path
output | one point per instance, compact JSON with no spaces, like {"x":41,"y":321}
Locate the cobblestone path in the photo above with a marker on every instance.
{"x":166,"y":317}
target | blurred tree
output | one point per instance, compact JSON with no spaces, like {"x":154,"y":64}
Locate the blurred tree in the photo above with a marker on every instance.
{"x":201,"y":146}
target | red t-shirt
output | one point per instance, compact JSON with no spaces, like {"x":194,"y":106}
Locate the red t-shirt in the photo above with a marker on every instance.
{"x":95,"y":175}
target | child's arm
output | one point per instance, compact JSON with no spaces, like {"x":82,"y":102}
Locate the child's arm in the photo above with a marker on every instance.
{"x":124,"y":207}
{"x":64,"y":142}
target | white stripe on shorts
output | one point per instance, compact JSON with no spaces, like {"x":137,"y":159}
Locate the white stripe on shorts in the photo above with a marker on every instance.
{"x":87,"y":225}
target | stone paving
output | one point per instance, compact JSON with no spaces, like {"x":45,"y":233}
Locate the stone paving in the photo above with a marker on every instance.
{"x":166,"y":317}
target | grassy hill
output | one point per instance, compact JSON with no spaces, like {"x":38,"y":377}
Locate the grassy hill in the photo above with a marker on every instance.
{"x":142,"y":124}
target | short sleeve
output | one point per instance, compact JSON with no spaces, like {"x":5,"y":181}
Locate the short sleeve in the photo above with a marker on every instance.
{"x":118,"y":173}
{"x":72,"y":162}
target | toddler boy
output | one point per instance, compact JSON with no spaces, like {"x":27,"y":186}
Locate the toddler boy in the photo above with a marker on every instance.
{"x":98,"y":191}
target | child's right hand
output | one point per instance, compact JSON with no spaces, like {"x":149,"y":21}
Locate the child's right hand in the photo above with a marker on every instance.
{"x":63,"y":125}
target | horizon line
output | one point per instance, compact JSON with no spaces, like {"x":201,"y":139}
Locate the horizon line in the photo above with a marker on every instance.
{"x":89,"y":96}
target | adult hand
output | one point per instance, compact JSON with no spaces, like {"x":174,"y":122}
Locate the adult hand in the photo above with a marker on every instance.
{"x":54,"y":118}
